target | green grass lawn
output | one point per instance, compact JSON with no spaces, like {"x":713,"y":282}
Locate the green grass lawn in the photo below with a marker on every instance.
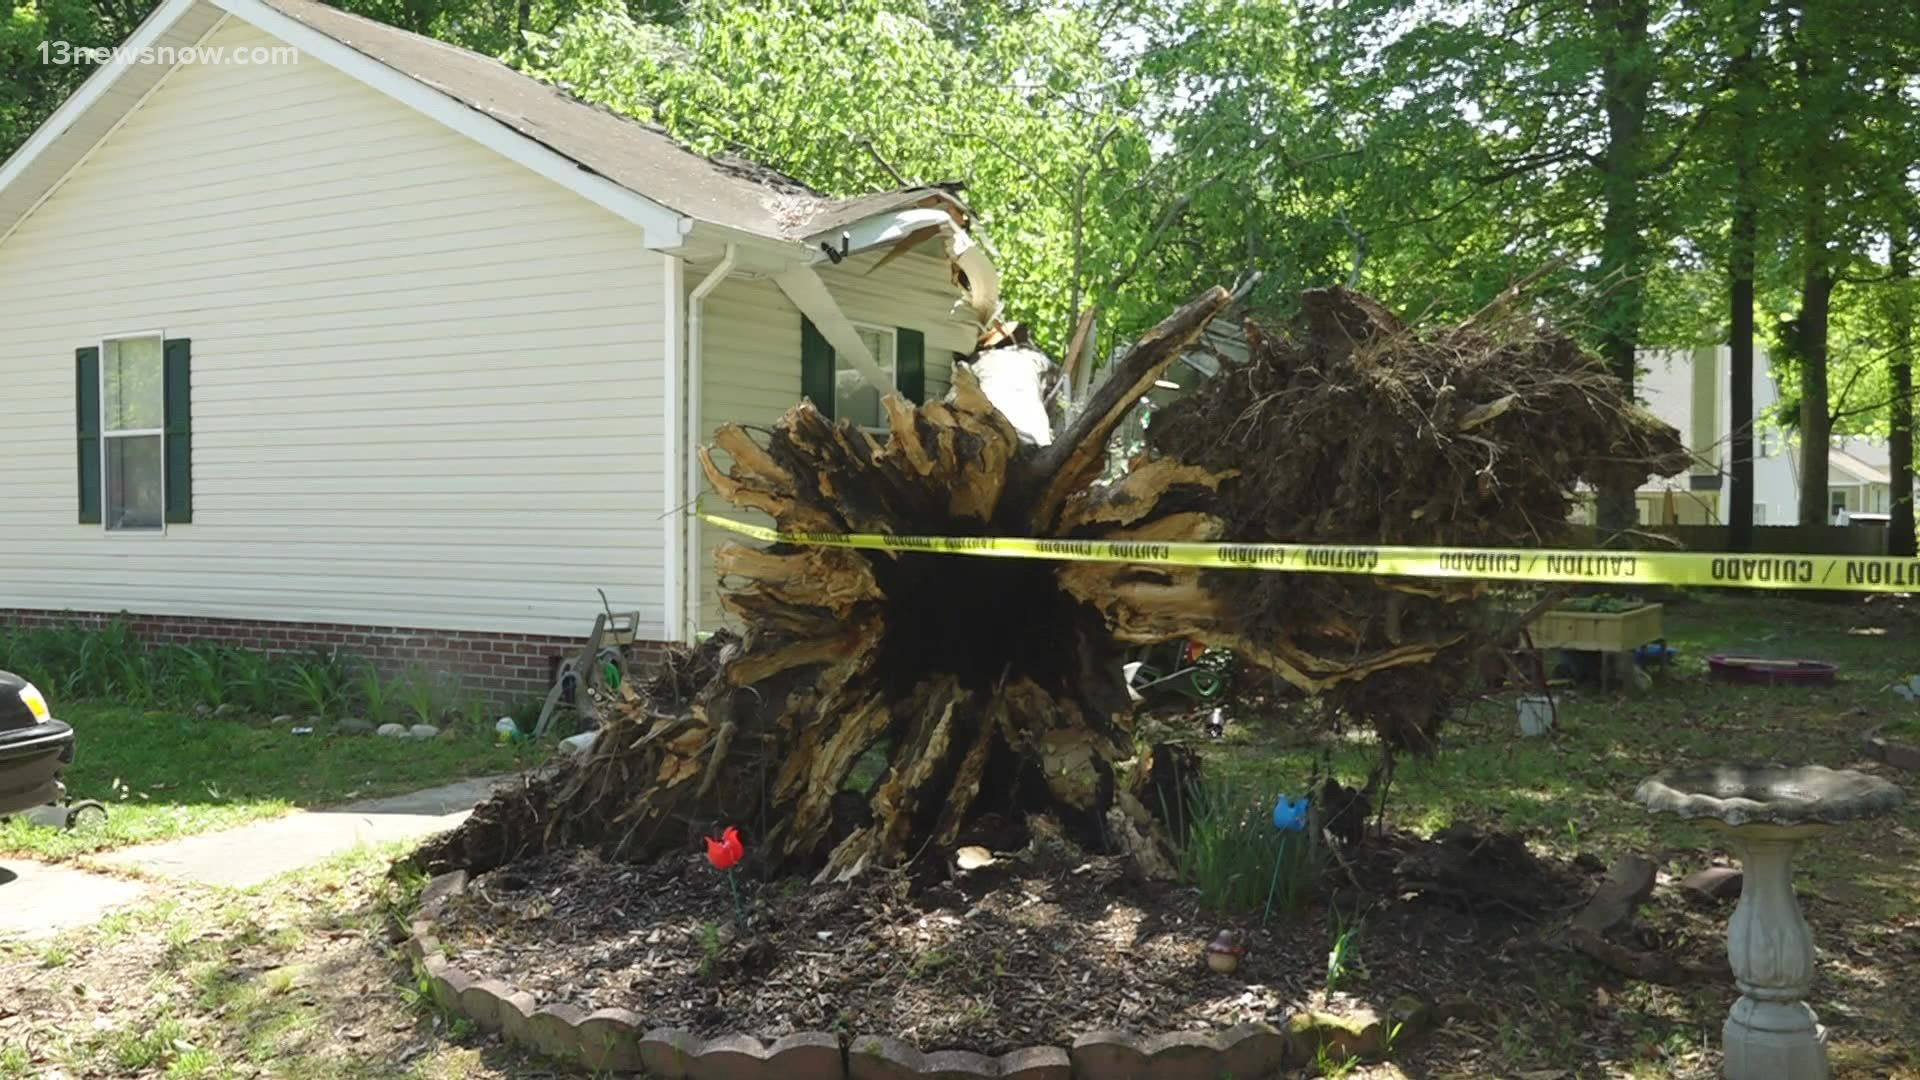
{"x":289,"y":979}
{"x":164,"y":774}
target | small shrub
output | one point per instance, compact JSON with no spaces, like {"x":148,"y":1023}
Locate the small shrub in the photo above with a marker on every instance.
{"x":198,"y":675}
{"x":317,"y":682}
{"x":1340,"y":957}
{"x":526,"y":713}
{"x":376,"y":696}
{"x":75,"y":662}
{"x":711,"y":947}
{"x":474,"y":714}
{"x":253,"y":682}
{"x":1236,"y":857}
{"x":425,"y":696}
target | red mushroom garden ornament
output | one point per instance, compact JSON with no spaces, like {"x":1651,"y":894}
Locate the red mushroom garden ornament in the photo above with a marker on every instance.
{"x":726,"y":853}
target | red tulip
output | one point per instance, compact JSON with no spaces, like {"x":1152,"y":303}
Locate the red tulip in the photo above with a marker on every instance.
{"x":726,"y":851}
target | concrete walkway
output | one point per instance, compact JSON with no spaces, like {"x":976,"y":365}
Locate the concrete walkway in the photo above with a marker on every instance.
{"x":38,"y":900}
{"x":251,"y":854}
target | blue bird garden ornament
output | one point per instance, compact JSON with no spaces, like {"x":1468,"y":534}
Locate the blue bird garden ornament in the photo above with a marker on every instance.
{"x":1290,"y":815}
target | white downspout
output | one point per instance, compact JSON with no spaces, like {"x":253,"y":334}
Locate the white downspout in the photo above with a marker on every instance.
{"x":690,"y":583}
{"x":673,"y":301}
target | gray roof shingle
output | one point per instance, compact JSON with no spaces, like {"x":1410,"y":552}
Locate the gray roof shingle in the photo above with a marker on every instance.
{"x":637,"y":156}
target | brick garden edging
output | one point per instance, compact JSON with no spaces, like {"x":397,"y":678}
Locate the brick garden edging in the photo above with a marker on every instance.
{"x":617,"y":1040}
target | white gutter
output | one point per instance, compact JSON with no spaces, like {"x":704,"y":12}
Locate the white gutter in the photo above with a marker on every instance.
{"x":886,"y":230}
{"x":689,"y":589}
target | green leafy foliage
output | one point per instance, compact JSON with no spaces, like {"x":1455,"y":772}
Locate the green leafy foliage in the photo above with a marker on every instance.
{"x":863,"y":95}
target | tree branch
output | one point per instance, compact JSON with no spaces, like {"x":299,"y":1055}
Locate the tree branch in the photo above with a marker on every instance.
{"x":1064,"y":465}
{"x":1876,"y":406}
{"x":874,"y":152}
{"x":1852,"y":378}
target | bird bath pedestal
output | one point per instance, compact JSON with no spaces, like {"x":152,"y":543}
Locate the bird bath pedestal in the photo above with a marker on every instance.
{"x":1768,"y":811}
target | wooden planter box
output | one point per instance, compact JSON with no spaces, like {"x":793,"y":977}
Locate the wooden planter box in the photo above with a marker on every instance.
{"x":1596,"y":631}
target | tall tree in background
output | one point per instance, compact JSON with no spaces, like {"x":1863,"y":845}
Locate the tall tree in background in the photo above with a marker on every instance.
{"x":1748,"y":89}
{"x":1626,"y":91}
{"x":1817,"y":95}
{"x":1900,"y":524}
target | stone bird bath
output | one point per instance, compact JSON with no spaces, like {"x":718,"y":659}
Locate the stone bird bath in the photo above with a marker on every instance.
{"x":1768,"y":811}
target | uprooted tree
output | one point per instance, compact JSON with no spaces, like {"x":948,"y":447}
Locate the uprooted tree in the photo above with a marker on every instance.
{"x":981,"y":691}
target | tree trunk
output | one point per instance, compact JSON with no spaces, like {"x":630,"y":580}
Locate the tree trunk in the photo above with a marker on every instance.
{"x":1745,"y":229}
{"x":1809,"y":329}
{"x":1816,"y":422}
{"x":1900,"y":525}
{"x":877,"y":693}
{"x":1626,"y":83}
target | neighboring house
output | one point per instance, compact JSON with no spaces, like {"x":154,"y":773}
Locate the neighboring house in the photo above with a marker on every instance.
{"x":1692,"y":390}
{"x":327,"y":333}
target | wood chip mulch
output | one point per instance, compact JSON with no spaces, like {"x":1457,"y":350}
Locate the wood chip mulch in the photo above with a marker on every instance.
{"x":1034,"y":950}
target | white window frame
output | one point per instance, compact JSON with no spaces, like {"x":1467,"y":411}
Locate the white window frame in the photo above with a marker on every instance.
{"x":100,"y":395}
{"x":889,"y":363}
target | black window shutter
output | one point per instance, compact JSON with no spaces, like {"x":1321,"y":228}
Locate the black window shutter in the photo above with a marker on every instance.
{"x":816,"y":368}
{"x":178,"y":372}
{"x":910,"y":361}
{"x":86,"y":404}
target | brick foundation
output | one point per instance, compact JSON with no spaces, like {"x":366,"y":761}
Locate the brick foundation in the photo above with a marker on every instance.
{"x":502,"y":668}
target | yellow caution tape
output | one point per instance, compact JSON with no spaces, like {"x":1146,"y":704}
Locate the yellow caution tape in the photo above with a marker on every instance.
{"x":1844,"y":573}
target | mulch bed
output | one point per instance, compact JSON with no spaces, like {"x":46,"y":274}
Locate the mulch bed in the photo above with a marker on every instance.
{"x":1038,"y":949}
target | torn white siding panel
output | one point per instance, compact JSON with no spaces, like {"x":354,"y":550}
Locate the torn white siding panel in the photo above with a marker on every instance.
{"x":427,"y":384}
{"x":751,"y":367}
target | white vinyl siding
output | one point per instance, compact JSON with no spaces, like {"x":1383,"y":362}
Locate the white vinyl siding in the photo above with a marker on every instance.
{"x":427,"y":383}
{"x":751,"y":371}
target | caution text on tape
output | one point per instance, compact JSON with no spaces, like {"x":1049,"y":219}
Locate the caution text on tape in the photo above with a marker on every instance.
{"x":1835,"y":572}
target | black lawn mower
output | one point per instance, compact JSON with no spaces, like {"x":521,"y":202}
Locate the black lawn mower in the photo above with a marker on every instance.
{"x":34,"y":750}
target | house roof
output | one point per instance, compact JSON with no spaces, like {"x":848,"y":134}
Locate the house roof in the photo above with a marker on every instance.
{"x":637,"y":156}
{"x":584,"y":146}
{"x":1847,"y":462}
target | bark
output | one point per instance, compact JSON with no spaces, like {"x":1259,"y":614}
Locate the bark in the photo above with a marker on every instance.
{"x":1626,"y":84}
{"x":1900,"y":526}
{"x":1745,"y":228}
{"x":1809,"y":327}
{"x":1810,"y":342}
